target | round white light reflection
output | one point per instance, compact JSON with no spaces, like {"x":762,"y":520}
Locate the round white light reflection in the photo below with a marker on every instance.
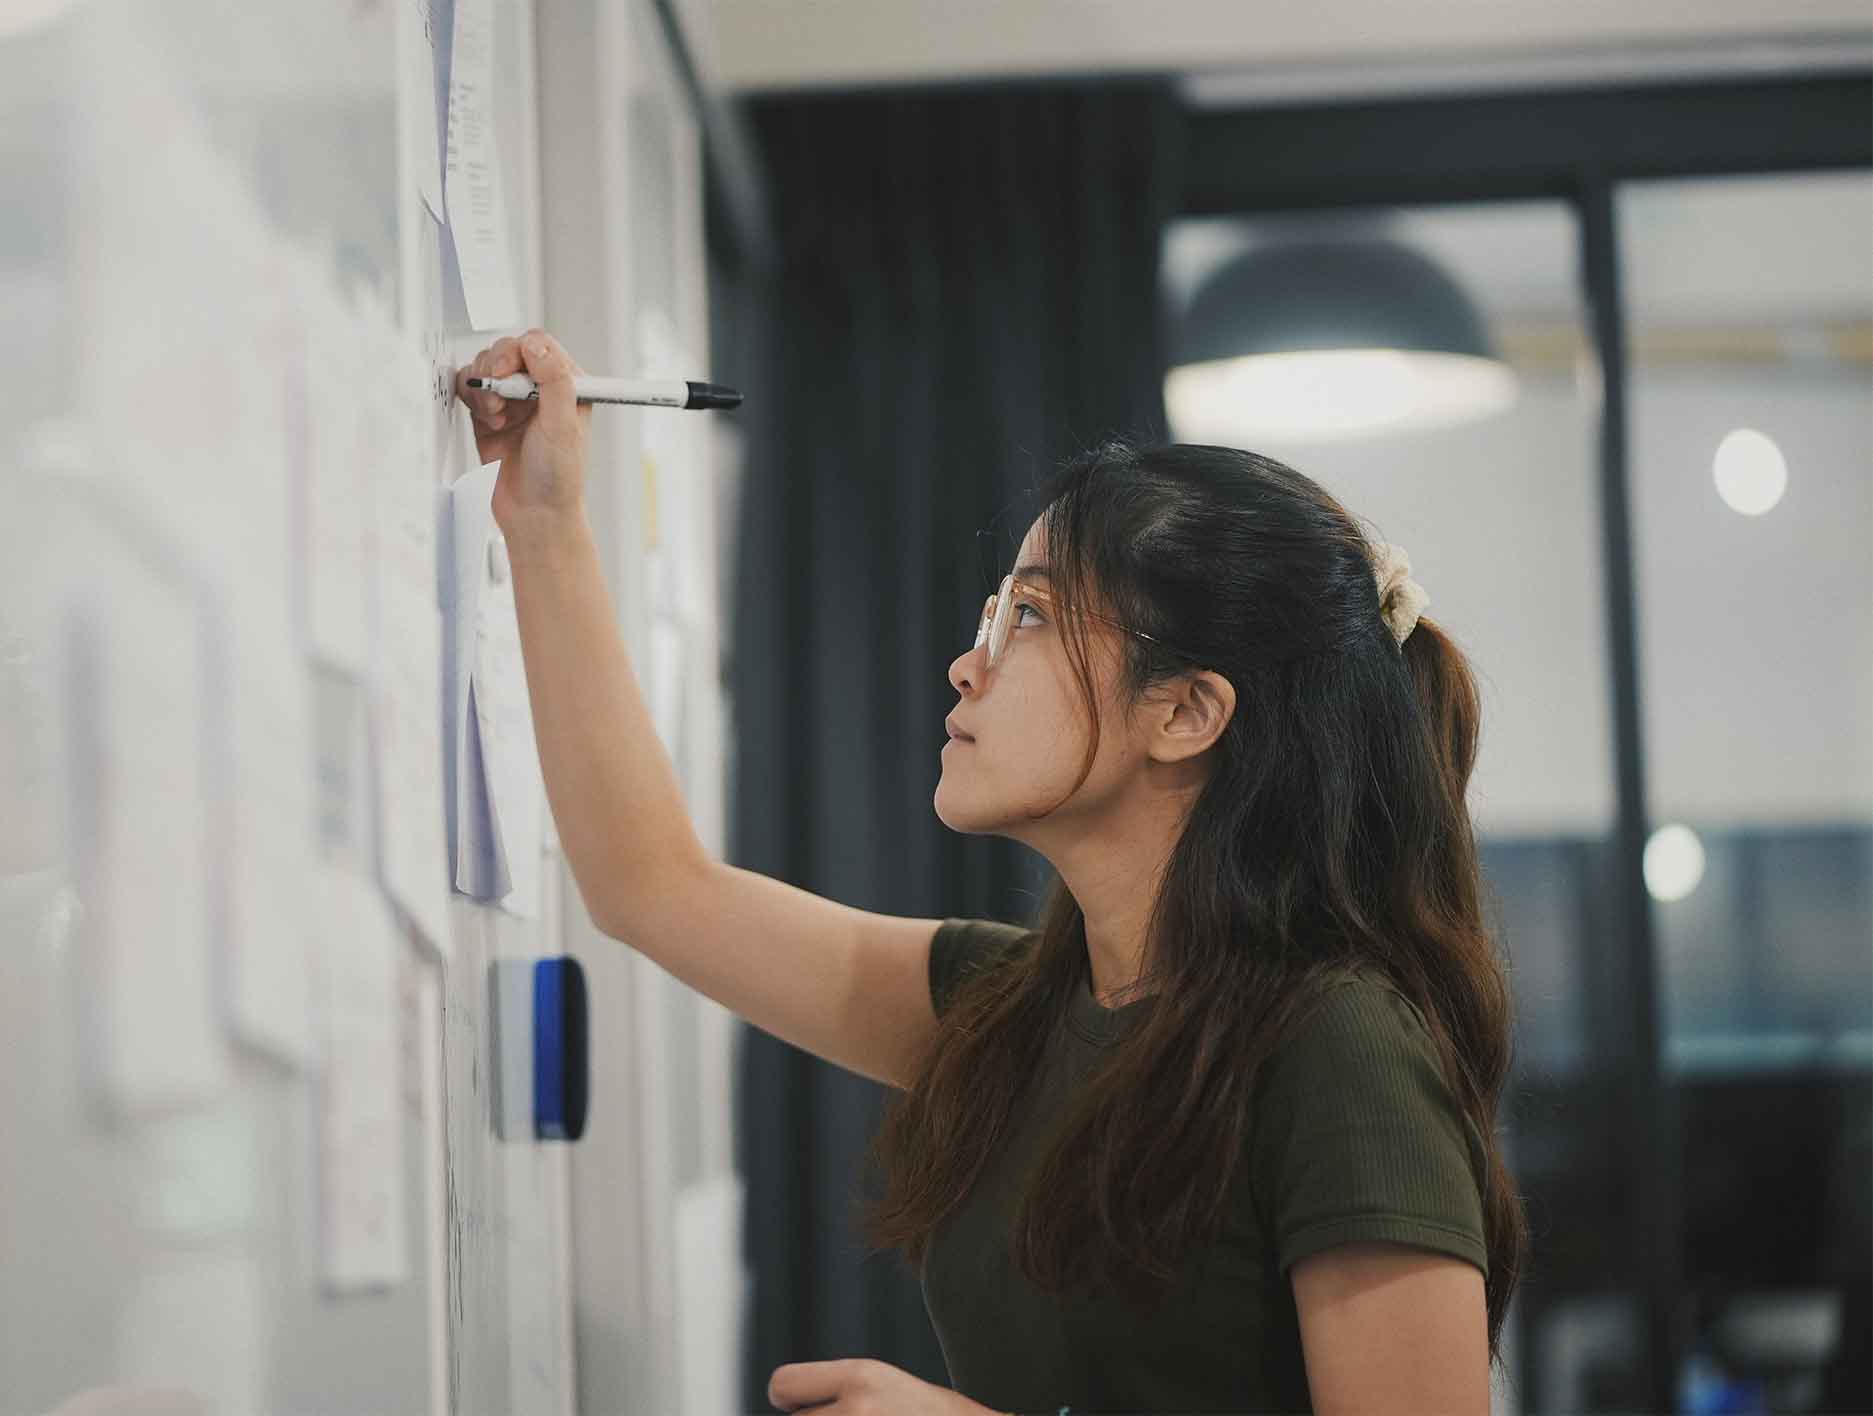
{"x":1674,"y":863}
{"x":1331,"y":395}
{"x":1749,"y":471}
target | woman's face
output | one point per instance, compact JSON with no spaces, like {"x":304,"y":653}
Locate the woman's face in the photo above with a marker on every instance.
{"x":1029,"y":725}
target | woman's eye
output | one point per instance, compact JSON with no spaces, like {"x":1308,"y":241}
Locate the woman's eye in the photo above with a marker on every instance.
{"x":1023,"y":607}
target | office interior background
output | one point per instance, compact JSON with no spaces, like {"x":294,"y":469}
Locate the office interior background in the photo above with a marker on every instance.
{"x":1628,"y":254}
{"x":1663,"y":247}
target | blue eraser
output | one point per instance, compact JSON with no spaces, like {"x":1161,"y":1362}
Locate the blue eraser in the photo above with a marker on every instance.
{"x":560,"y":1079}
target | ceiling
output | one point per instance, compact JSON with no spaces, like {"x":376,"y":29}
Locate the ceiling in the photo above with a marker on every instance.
{"x":1800,"y":241}
{"x":1323,"y":48}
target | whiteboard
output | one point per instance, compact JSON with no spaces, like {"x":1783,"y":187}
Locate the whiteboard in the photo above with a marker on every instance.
{"x":221,"y":202}
{"x":216,"y":213}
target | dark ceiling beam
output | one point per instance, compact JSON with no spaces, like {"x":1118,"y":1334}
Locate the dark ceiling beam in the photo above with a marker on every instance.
{"x":1520,"y":145}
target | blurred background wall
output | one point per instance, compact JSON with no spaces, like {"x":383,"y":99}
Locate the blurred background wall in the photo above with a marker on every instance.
{"x":1643,"y":518}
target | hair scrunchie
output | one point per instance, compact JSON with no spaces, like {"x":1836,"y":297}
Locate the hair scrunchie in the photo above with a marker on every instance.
{"x":1401,"y":599}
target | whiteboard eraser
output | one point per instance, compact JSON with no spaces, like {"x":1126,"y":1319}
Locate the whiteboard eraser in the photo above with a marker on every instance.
{"x":560,"y":1078}
{"x":539,"y":1044}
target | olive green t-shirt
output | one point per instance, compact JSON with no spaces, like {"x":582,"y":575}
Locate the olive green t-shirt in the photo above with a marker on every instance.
{"x":1355,"y":1137}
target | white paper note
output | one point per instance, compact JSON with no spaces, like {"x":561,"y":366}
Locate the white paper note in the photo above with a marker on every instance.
{"x":341,"y":770}
{"x":133,"y":687}
{"x":497,"y":798}
{"x":407,"y":703}
{"x":477,"y":207}
{"x":416,"y":99}
{"x":666,"y":656}
{"x":268,"y":842}
{"x":361,"y":1192}
{"x":711,"y":1289}
{"x":504,"y":718}
{"x":478,"y":870}
{"x":676,"y":471}
{"x":332,"y":498}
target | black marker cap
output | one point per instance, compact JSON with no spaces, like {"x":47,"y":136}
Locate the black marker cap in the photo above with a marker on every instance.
{"x":708,"y":395}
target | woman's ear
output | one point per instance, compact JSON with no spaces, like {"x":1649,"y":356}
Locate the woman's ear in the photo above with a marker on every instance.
{"x":1192,"y":715}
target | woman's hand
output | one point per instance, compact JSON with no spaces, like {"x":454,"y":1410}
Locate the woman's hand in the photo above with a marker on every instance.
{"x":859,"y":1386}
{"x":540,"y":445}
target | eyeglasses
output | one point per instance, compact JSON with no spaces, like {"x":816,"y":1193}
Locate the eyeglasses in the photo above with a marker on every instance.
{"x":998,"y":612}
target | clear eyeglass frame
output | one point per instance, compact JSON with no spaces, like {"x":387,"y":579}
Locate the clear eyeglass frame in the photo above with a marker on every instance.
{"x":998,"y":612}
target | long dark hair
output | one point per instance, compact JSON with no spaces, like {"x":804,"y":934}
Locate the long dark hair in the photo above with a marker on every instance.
{"x":1331,"y":837}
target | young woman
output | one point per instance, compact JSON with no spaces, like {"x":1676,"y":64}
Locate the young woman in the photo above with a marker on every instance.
{"x":1219,"y":1133}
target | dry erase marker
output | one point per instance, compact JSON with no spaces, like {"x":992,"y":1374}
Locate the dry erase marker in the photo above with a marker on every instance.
{"x":656,"y":393}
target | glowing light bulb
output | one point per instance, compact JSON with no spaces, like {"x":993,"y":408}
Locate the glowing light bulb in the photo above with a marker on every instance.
{"x":1674,"y":863}
{"x":1749,"y":471}
{"x":1331,"y":395}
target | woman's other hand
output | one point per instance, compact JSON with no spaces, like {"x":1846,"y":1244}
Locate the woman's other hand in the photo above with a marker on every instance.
{"x":863,"y":1386}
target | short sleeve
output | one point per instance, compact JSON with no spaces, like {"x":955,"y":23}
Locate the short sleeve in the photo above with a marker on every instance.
{"x":964,"y":947}
{"x":1357,"y":1137}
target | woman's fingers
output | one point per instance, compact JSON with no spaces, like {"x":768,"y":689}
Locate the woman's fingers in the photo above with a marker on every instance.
{"x":475,"y":368}
{"x":488,"y":366}
{"x":497,"y":421}
{"x":504,"y":357}
{"x":551,"y":367}
{"x":481,"y":404}
{"x":486,"y":406}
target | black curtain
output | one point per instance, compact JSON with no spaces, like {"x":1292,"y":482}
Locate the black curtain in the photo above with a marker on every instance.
{"x":964,"y":290}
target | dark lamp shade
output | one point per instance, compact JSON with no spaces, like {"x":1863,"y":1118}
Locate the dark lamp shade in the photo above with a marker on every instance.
{"x":1330,"y":340}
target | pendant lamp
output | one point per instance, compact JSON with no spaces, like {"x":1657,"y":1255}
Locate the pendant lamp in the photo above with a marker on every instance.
{"x":1329,"y":340}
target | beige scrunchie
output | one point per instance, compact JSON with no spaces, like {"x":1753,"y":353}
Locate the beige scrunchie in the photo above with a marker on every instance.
{"x":1401,"y":599}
